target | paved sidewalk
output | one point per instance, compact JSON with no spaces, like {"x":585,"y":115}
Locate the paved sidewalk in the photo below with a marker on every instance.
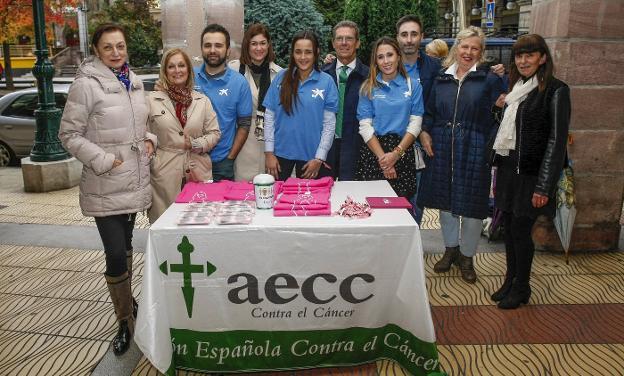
{"x":56,"y":317}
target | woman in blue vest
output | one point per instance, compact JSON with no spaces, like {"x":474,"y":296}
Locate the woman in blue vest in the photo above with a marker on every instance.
{"x":390,"y":113}
{"x":300,"y":115}
{"x":457,"y":125}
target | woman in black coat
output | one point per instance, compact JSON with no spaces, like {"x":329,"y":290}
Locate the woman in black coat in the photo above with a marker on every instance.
{"x":456,"y":128}
{"x":530,"y":151}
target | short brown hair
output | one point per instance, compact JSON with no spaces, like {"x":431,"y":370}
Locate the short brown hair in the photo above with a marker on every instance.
{"x":105,"y":28}
{"x":408,"y":18}
{"x":349,"y":24}
{"x":252,"y":31}
{"x":162,"y":74}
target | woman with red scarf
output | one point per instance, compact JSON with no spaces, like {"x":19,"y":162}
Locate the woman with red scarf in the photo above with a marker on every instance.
{"x":187,"y":129}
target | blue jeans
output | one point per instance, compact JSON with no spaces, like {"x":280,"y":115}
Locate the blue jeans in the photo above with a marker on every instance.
{"x":223,"y":170}
{"x":470,"y":232}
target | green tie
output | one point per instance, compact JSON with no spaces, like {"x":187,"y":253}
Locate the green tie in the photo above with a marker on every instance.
{"x":342,"y":83}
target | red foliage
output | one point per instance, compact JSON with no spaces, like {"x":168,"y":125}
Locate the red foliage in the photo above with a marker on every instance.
{"x":16,"y":16}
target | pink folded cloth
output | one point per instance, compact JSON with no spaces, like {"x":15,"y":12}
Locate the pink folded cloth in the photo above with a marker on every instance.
{"x":301,"y":190}
{"x":240,"y":196}
{"x":241,"y":186}
{"x":199,"y":192}
{"x":287,"y":206}
{"x":327,"y":181}
{"x":305,"y":199}
{"x":277,"y":187}
{"x":301,"y":213}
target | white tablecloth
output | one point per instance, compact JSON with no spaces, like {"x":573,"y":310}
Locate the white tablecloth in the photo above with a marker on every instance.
{"x":287,"y":292}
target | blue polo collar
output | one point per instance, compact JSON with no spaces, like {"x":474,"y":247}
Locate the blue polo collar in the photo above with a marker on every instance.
{"x":224,"y":77}
{"x":397,"y":81}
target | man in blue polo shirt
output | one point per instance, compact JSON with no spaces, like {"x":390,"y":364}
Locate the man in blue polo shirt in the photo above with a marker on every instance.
{"x":419,"y":67}
{"x":230,"y":96}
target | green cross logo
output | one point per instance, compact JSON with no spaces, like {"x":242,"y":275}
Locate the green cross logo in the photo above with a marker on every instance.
{"x":187,"y":269}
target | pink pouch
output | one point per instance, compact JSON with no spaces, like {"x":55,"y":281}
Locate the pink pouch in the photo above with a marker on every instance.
{"x":388,"y":202}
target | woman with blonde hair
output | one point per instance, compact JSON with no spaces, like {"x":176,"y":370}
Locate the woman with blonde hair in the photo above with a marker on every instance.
{"x":457,"y":126}
{"x":187,"y":129}
{"x":437,"y":48}
{"x":390,"y":112}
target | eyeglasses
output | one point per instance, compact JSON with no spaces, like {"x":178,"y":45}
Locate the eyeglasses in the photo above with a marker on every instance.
{"x":344,"y":39}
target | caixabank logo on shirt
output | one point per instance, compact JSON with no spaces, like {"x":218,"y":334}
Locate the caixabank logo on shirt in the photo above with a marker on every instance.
{"x":279,"y":289}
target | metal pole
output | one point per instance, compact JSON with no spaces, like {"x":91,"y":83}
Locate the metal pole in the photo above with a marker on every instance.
{"x":47,"y":146}
{"x":83,"y":30}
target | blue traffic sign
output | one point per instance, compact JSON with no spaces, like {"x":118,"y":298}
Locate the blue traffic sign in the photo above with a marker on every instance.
{"x":490,"y":7}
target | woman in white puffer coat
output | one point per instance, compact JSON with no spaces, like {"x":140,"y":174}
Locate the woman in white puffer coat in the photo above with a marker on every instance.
{"x":104,"y":127}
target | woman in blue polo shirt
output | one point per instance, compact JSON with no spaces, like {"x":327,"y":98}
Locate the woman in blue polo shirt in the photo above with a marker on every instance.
{"x":390,"y":112}
{"x":300,"y":115}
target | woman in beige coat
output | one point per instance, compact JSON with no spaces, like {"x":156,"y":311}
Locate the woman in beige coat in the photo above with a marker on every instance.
{"x":256,"y":64}
{"x":103,"y":126}
{"x":187,"y":129}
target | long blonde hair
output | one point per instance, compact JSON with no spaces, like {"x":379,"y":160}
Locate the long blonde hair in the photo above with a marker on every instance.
{"x":469,"y":32}
{"x":163,"y":81}
{"x":371,"y":82}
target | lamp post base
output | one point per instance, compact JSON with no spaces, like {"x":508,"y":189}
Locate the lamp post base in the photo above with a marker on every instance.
{"x":50,"y":176}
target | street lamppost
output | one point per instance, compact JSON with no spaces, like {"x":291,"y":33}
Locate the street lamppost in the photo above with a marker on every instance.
{"x":47,"y":147}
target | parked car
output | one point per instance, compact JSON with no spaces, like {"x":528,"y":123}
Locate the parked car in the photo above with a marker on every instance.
{"x":17,"y":118}
{"x":17,"y":121}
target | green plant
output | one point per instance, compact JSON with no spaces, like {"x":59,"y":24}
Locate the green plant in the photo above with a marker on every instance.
{"x":142,"y":31}
{"x":285,"y":18}
{"x":377,"y":18}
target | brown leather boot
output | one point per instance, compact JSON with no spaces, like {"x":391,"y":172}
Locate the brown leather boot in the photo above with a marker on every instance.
{"x":450,"y":256}
{"x":135,"y":305}
{"x":466,"y":268}
{"x":129,"y":262}
{"x":121,"y":295}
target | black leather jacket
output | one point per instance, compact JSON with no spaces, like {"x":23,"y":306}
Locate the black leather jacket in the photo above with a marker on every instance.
{"x":542,"y":124}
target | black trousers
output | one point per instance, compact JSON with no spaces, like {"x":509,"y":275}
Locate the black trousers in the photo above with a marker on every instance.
{"x":519,"y":247}
{"x":287,"y":165}
{"x":116,"y":234}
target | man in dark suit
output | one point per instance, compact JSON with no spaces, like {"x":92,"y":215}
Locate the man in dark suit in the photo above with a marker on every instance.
{"x":348,"y":73}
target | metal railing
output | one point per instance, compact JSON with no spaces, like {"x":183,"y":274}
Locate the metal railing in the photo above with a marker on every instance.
{"x":20,"y":50}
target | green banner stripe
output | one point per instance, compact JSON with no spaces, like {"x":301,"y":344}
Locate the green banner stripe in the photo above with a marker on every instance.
{"x":249,"y":350}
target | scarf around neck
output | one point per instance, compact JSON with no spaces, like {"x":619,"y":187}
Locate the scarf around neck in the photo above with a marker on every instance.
{"x":182,"y":99}
{"x":506,"y":137}
{"x":265,"y":80}
{"x":123,"y":75}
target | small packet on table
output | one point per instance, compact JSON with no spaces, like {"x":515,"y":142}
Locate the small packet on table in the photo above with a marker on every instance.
{"x":234,"y":219}
{"x":193,"y":218}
